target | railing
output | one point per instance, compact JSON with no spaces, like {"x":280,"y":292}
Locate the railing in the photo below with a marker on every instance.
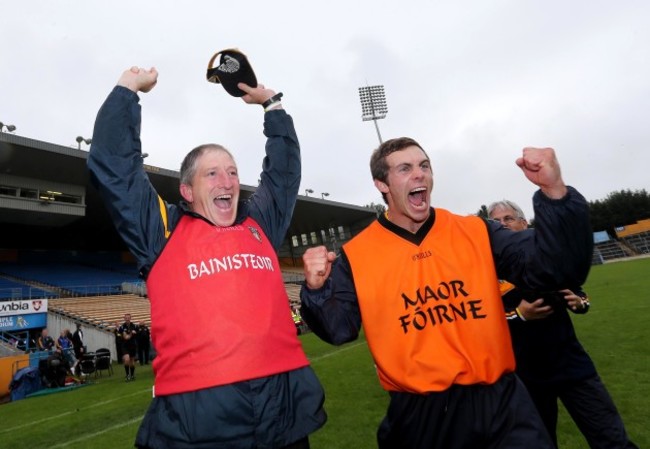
{"x":58,"y":291}
{"x":15,"y":293}
{"x":18,"y":340}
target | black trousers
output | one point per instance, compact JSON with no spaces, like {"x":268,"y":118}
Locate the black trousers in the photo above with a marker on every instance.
{"x":300,"y":444}
{"x":591,"y":408}
{"x":497,"y":416}
{"x":143,"y":353}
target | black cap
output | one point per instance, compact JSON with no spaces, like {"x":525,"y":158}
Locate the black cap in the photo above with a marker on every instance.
{"x":233,"y":68}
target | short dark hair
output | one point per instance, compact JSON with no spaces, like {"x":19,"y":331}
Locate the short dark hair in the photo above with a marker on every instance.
{"x":379,"y":166}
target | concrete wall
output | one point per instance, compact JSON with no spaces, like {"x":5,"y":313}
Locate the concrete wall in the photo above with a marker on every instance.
{"x":93,"y":338}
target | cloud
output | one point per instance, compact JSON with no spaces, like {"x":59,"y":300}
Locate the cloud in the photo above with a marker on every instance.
{"x":474,"y":82}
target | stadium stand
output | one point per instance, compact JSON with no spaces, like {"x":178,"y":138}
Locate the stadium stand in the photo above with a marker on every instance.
{"x":640,"y":242}
{"x":103,"y":311}
{"x":107,"y":310}
{"x":69,"y":279}
{"x":606,"y":251}
{"x":631,"y":241}
{"x":60,"y":244}
{"x":14,"y":289}
{"x":636,"y":236}
{"x":293,"y":291}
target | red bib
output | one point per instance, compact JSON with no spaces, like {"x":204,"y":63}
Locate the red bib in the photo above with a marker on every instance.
{"x":219,"y":310}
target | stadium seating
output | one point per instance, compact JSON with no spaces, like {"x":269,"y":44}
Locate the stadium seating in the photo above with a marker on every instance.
{"x":97,"y":296}
{"x":10,"y":289}
{"x":293,"y":291}
{"x":639,"y":242}
{"x":607,"y":251}
{"x":103,"y":311}
{"x":69,"y":278}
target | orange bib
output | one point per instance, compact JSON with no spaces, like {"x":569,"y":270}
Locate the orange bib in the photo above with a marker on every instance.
{"x":432,"y":313}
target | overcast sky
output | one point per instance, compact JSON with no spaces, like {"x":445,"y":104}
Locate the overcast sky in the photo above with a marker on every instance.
{"x":474,"y":81}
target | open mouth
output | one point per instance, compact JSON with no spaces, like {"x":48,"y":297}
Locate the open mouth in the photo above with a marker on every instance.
{"x":223,"y":201}
{"x":417,"y":197}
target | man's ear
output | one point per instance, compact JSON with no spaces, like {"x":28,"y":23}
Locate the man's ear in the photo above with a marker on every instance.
{"x":381,"y":186}
{"x":186,"y":193}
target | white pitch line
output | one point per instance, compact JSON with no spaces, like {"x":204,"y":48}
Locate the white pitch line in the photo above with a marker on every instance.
{"x":354,"y":345}
{"x":98,"y":404}
{"x":93,"y":435}
{"x":60,"y":415}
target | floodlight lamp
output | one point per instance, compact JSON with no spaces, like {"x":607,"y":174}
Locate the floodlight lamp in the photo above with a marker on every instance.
{"x":308,"y":191}
{"x":10,"y":128}
{"x":80,"y":139}
{"x":373,"y":103}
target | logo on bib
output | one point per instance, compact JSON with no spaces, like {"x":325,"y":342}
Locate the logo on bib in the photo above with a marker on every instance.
{"x":255,"y":233}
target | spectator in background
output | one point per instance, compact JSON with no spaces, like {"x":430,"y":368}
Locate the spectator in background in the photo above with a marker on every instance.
{"x":118,"y":341}
{"x":143,"y":339}
{"x":128,"y":332}
{"x":45,"y":342}
{"x":64,"y":344}
{"x":550,"y":360}
{"x":297,"y":320}
{"x":78,"y":342}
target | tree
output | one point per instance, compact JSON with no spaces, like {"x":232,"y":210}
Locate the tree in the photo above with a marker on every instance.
{"x":619,"y":208}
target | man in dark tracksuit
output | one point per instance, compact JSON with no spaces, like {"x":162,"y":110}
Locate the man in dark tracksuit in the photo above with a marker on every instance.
{"x":551,"y":362}
{"x":424,"y":281}
{"x":211,"y":269}
{"x":128,"y":331}
{"x":143,"y":337}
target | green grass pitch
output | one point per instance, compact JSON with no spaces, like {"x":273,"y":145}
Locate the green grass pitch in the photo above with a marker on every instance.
{"x":107,"y":413}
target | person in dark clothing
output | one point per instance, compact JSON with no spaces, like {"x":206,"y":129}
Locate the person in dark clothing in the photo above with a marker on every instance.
{"x":78,"y":342}
{"x":128,"y":332}
{"x":551,"y":362}
{"x":425,"y":282}
{"x":143,"y":336}
{"x":64,"y":344}
{"x":45,"y":342}
{"x":54,"y":369}
{"x":218,"y":381}
{"x":118,"y":341}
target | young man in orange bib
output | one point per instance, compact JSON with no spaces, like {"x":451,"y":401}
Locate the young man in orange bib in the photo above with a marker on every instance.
{"x":423,"y":283}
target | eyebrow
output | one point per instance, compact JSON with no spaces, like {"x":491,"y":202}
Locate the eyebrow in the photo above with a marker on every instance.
{"x":215,"y":167}
{"x":410,"y":164}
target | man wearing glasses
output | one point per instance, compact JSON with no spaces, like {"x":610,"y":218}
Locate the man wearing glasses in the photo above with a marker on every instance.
{"x":550,"y":360}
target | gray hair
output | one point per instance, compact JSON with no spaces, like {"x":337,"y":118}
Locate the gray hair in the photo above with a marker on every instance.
{"x":507,"y":204}
{"x":188,"y":166}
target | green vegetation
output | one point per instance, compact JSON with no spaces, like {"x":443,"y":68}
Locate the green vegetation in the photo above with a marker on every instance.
{"x":107,"y":413}
{"x":616,"y":335}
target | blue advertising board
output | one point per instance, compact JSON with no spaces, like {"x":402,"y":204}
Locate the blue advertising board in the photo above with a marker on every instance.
{"x":23,"y":322}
